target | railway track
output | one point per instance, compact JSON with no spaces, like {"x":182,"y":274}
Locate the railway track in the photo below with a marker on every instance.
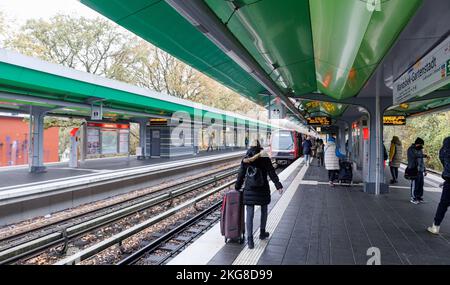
{"x":64,"y":234}
{"x":118,"y":240}
{"x":167,"y":245}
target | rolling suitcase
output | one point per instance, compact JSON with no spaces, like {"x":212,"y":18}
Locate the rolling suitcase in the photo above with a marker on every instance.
{"x":232,"y":224}
{"x":345,"y":172}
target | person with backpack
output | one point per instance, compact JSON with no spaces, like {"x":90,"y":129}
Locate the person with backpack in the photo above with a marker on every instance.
{"x":395,"y":158}
{"x":319,"y":151}
{"x":416,"y":170}
{"x":253,"y":175}
{"x":444,"y":157}
{"x":307,"y":148}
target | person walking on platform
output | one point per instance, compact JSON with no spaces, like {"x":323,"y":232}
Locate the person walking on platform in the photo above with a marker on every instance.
{"x":332,"y":155}
{"x":395,"y":158}
{"x":210,"y":141}
{"x":253,"y":171}
{"x":444,"y":157}
{"x":319,"y":151}
{"x":307,"y":145}
{"x":314,"y":143}
{"x":415,"y":160}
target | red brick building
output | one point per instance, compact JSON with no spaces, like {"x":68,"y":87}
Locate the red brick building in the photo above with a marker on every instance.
{"x":14,"y":142}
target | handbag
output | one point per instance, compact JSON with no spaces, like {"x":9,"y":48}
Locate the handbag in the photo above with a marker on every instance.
{"x":411,"y":173}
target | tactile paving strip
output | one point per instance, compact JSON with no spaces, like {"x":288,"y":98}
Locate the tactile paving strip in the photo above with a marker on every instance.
{"x":251,"y":256}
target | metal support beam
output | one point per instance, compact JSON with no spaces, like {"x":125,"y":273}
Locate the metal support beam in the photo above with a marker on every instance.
{"x":349,"y":120}
{"x":200,"y":16}
{"x":374,"y":182}
{"x":36,"y":138}
{"x":143,"y":138}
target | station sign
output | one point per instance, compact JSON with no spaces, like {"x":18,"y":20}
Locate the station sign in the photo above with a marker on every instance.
{"x":319,"y":121}
{"x":394,"y":120}
{"x":427,"y":75}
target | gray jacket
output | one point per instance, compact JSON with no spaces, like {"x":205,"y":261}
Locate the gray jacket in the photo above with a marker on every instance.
{"x":415,"y":158}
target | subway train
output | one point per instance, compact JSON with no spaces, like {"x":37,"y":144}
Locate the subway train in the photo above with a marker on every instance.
{"x":286,"y":146}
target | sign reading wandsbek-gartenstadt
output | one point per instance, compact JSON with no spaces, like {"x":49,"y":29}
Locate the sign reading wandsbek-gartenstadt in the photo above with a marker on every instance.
{"x":428,"y":74}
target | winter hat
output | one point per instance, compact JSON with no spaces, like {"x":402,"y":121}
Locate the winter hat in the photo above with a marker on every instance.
{"x":419,"y":141}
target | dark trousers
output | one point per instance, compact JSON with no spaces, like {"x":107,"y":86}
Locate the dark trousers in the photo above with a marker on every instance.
{"x":443,"y":204}
{"x":394,"y":173}
{"x":251,"y":214}
{"x":333,"y":175}
{"x":417,"y":186}
{"x":320,"y":158}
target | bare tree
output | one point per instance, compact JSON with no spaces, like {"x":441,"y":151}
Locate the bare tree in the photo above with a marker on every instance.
{"x":91,"y":45}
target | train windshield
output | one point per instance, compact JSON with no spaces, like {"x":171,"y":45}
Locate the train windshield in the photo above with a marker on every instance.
{"x":282,"y":140}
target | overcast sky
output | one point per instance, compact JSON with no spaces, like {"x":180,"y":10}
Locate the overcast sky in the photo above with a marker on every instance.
{"x":21,"y":10}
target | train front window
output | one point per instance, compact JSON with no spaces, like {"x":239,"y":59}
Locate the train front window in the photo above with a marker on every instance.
{"x":282,"y":141}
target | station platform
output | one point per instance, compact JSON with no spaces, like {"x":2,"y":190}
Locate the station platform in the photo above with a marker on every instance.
{"x":313,"y":223}
{"x":19,"y":175}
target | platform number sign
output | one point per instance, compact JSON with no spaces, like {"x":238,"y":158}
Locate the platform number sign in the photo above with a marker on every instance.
{"x":96,"y":113}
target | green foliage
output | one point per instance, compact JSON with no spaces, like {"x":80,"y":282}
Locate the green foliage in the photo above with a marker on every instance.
{"x":431,"y":128}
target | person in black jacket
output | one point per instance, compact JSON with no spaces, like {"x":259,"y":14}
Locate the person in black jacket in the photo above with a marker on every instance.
{"x":415,"y":160}
{"x":253,"y":171}
{"x":444,"y":157}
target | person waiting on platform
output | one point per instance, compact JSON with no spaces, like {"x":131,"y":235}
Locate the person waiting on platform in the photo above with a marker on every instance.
{"x":332,"y":155}
{"x":319,"y":151}
{"x":314,"y":143}
{"x":415,"y":160}
{"x":307,"y":145}
{"x":254,"y":170}
{"x":444,"y":157}
{"x":395,"y":158}
{"x":210,"y":141}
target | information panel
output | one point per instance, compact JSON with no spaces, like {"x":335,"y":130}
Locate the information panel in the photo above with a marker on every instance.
{"x":104,"y":138}
{"x":394,"y":120}
{"x":93,"y":141}
{"x":319,"y":121}
{"x":123,"y":141}
{"x":109,"y":141}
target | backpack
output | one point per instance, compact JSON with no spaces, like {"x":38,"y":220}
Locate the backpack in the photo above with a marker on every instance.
{"x":254,"y":176}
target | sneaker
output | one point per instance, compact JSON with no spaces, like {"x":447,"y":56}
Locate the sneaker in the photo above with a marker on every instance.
{"x":434,"y":229}
{"x":421,"y":200}
{"x":392,"y":181}
{"x":263,"y":235}
{"x":414,"y":201}
{"x":250,"y":243}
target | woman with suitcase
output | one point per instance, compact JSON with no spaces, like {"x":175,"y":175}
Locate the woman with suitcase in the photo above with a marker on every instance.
{"x":255,"y":168}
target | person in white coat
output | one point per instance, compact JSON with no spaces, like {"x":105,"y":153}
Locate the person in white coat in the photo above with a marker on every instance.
{"x":332,"y":156}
